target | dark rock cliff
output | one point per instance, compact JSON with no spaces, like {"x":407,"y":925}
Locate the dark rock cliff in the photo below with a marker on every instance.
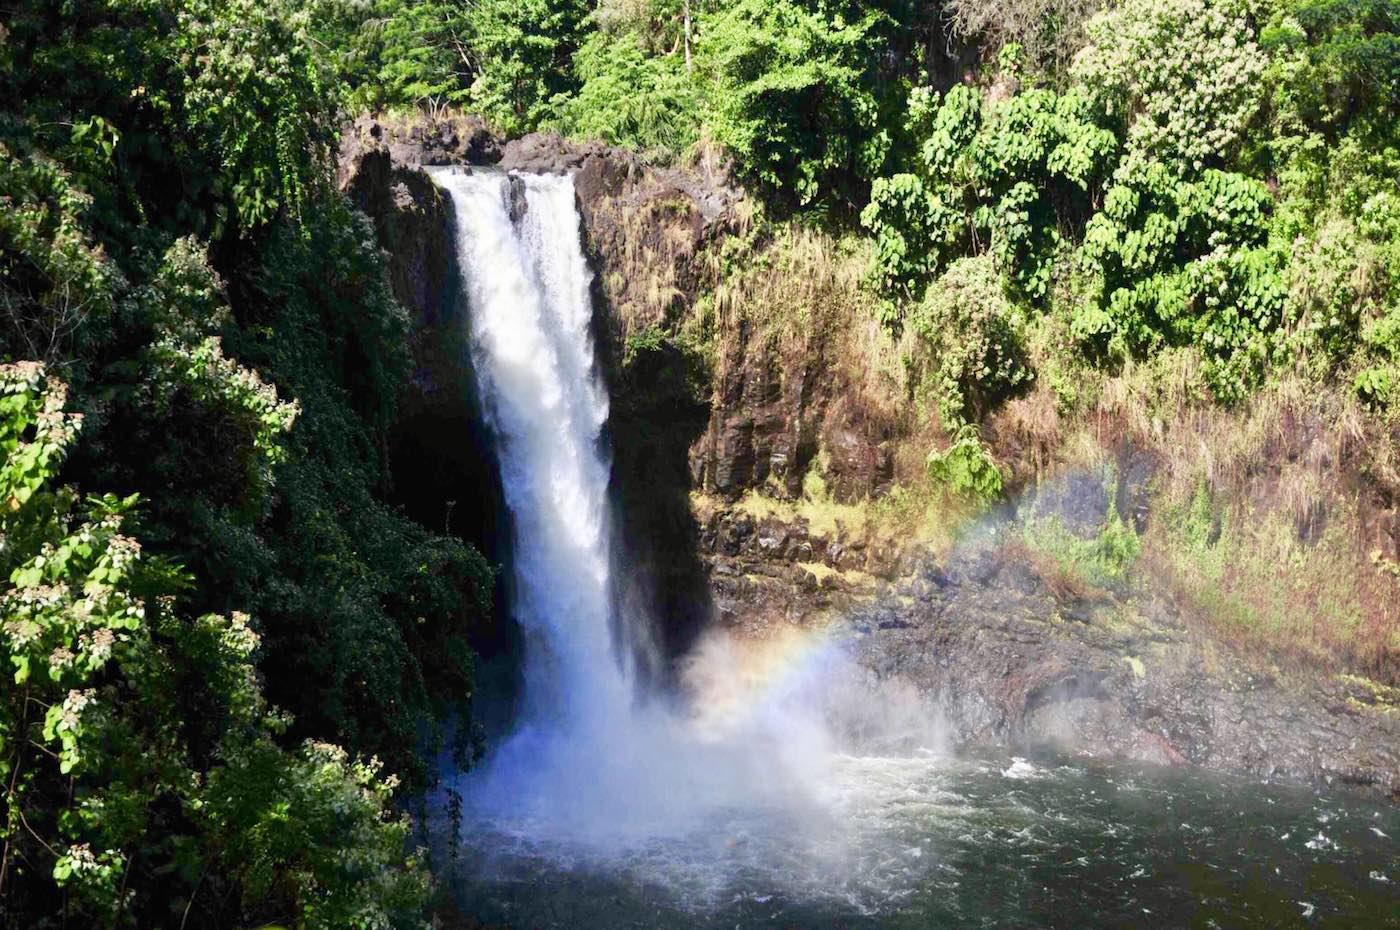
{"x":440,"y":457}
{"x":753,"y":417}
{"x":652,"y":232}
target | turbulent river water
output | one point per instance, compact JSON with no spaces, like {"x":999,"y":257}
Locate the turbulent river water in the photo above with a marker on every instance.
{"x":783,"y":787}
{"x":973,"y":842}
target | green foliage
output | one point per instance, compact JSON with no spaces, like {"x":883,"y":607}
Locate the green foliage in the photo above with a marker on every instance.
{"x":324,"y":834}
{"x":1130,"y":201}
{"x":366,"y":613}
{"x":1335,"y":145}
{"x":523,"y":50}
{"x":54,"y":284}
{"x":252,"y":98}
{"x":169,"y":241}
{"x":628,"y":97}
{"x":947,"y":127}
{"x":1013,"y":178}
{"x":1376,"y":385}
{"x":215,"y":381}
{"x":384,"y":607}
{"x":1333,"y":64}
{"x":917,"y":219}
{"x":210,"y":115}
{"x":425,"y":53}
{"x":973,"y":335}
{"x":791,"y":91}
{"x":648,"y":341}
{"x":509,"y":60}
{"x":966,"y":467}
{"x":915,"y":231}
{"x":1103,"y":560}
{"x":1039,"y":155}
{"x":1185,"y":263}
{"x":116,"y":803}
{"x":1338,"y":284}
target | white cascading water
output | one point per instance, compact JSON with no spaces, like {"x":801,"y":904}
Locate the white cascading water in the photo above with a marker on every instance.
{"x":592,"y":764}
{"x":527,"y":289}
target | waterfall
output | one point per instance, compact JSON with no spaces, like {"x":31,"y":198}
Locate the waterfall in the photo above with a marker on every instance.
{"x":527,"y":288}
{"x":588,"y":761}
{"x":580,"y":733}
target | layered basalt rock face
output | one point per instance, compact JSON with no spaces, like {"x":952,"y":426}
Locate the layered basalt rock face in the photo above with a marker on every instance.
{"x":440,"y":459}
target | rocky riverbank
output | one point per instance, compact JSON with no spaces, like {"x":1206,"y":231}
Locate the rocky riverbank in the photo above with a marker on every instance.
{"x":1010,"y":652}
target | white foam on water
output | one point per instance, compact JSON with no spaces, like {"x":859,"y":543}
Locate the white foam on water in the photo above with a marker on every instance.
{"x":1320,"y":842}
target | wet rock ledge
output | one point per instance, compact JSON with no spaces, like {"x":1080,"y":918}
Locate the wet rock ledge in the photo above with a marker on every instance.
{"x":1005,"y":650}
{"x":1007,"y":660}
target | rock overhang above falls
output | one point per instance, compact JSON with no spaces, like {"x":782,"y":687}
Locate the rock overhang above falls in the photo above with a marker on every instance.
{"x":599,"y":170}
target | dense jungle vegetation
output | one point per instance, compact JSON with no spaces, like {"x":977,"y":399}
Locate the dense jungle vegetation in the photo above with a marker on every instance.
{"x":227,"y":649}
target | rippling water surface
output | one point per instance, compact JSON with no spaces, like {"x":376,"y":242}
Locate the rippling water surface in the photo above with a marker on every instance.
{"x":987,"y":842}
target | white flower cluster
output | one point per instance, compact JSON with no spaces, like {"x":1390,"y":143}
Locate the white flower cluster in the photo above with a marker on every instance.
{"x":73,"y":706}
{"x":98,"y":644}
{"x":25,"y":606}
{"x":123,"y":551}
{"x":1185,"y":73}
{"x":18,"y":377}
{"x":81,"y":858}
{"x":53,"y":427}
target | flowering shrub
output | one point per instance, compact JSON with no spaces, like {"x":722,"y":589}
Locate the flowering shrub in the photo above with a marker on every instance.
{"x":217,"y":381}
{"x":972,"y":333}
{"x":114,"y":803}
{"x":1184,"y":75}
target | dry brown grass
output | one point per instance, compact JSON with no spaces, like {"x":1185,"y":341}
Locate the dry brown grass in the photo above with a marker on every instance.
{"x":1029,"y":432}
{"x":1290,"y":474}
{"x":1064,"y":584}
{"x":1290,"y":477}
{"x":800,"y":294}
{"x":1319,"y":609}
